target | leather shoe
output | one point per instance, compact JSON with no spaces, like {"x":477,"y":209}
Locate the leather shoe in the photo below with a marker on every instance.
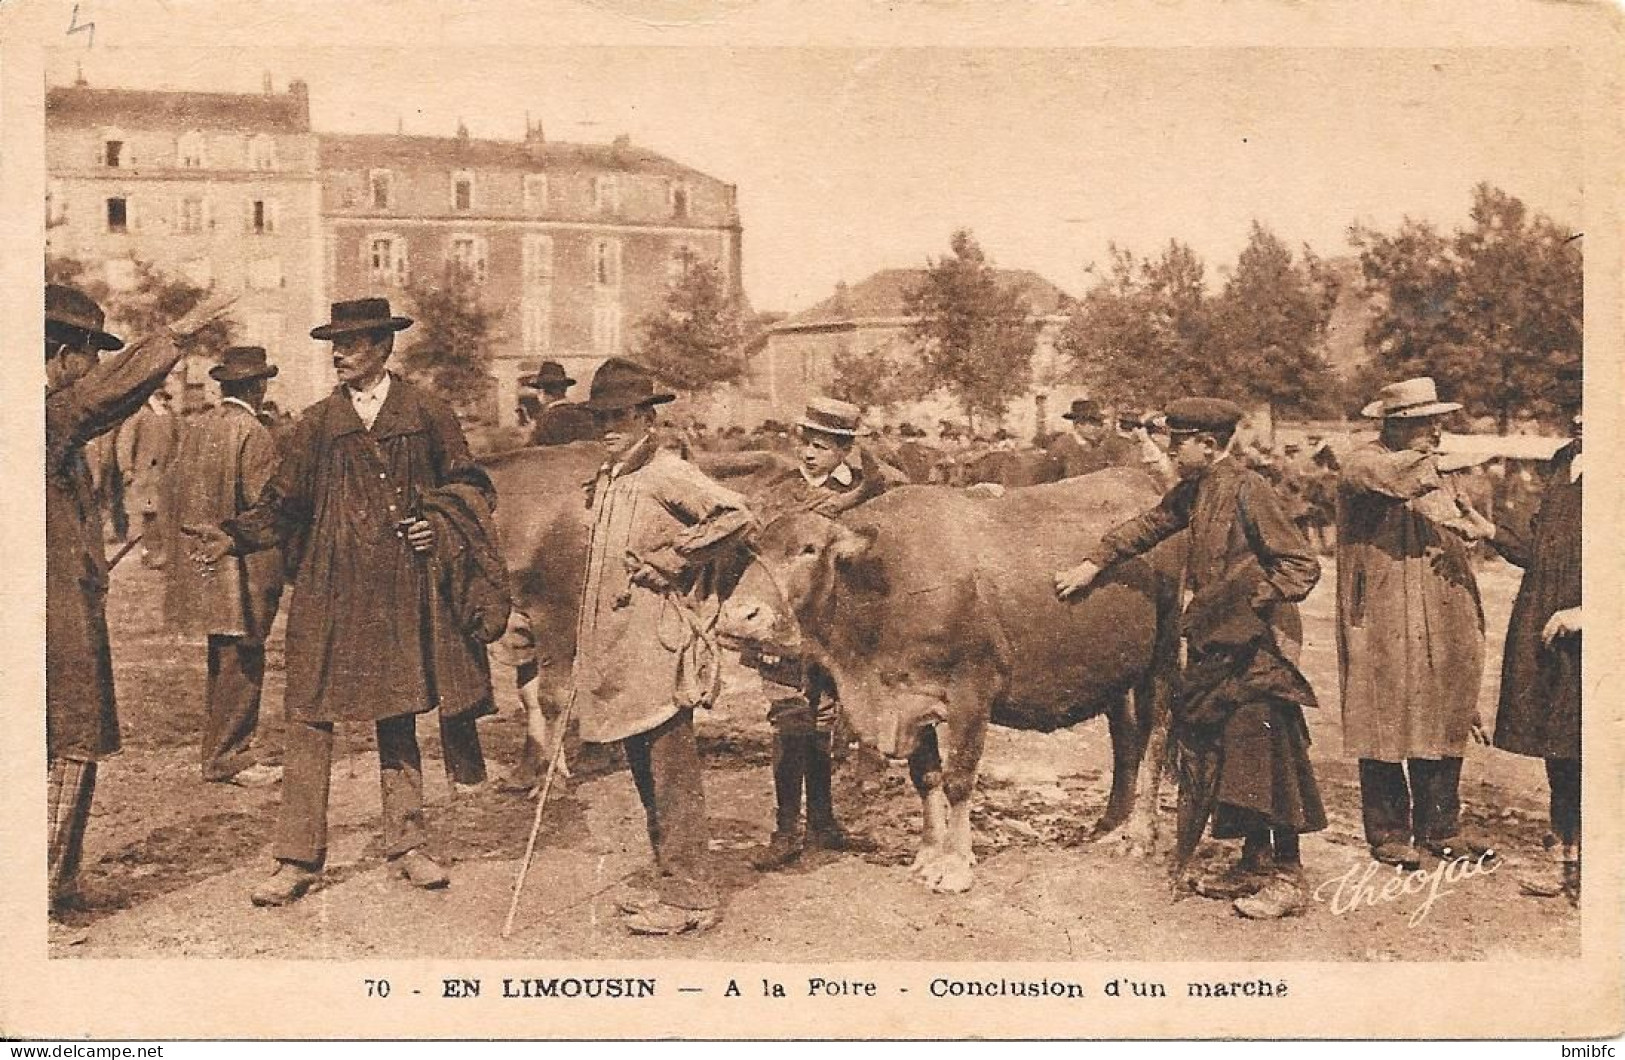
{"x":420,"y":870}
{"x":1236,"y":881}
{"x":783,"y":849}
{"x":1396,"y":852}
{"x":1546,"y":881}
{"x":258,"y":775}
{"x":834,"y":837}
{"x":1281,"y":897}
{"x":664,"y":919}
{"x":1452,"y":847}
{"x":287,"y":884}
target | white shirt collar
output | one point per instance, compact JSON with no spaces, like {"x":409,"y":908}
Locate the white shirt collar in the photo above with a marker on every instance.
{"x":240,"y":403}
{"x":842,"y":475}
{"x":375,"y":395}
{"x":1574,"y":467}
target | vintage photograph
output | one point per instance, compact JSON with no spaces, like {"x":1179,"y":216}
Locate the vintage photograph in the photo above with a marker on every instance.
{"x":845,"y":502}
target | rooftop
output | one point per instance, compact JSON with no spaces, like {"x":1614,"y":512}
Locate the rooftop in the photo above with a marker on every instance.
{"x":287,"y":112}
{"x":371,"y":150}
{"x":882,"y":297}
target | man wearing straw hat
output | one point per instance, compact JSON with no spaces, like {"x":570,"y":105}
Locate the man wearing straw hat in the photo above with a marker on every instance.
{"x":644,"y":660}
{"x":368,"y":639}
{"x":225,"y":458}
{"x":1410,"y":630}
{"x":84,"y":399}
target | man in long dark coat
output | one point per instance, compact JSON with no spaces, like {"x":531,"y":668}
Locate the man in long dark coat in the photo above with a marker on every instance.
{"x":1244,"y":696}
{"x":225,"y":458}
{"x":367,"y":641}
{"x":84,"y":399}
{"x":558,"y":420}
{"x":1539,"y":713}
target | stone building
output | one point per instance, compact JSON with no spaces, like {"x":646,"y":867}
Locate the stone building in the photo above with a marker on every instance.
{"x":572,"y":244}
{"x":220,"y":188}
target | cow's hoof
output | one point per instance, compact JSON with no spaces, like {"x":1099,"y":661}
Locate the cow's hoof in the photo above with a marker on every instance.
{"x":955,"y":876}
{"x":925,"y":859}
{"x":1130,"y":843}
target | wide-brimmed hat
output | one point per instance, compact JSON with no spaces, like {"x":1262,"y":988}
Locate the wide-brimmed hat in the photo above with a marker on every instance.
{"x":72,"y":316}
{"x":360,"y":314}
{"x":827,"y":415}
{"x":1084,"y":410}
{"x":549,"y":375}
{"x":622,"y":384}
{"x":1408,"y":399}
{"x":239,"y":364}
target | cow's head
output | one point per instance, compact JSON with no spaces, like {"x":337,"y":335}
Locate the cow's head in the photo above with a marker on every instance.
{"x":790,"y":582}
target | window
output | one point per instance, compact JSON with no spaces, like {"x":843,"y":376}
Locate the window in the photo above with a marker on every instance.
{"x":262,"y":152}
{"x":462,"y":191}
{"x":113,"y":153}
{"x":189,"y":151}
{"x":468,"y":252}
{"x":189,"y":215}
{"x":265,"y":274}
{"x":682,"y":259}
{"x":606,"y":327}
{"x":199,"y":272}
{"x":677,"y":196}
{"x":260,"y":216}
{"x":118,"y":215}
{"x":535,"y":192}
{"x":606,"y":193}
{"x":536,"y":326}
{"x":382,"y":181}
{"x":606,"y":262}
{"x":386,"y":260}
{"x":537,"y":255}
{"x":119,"y":273}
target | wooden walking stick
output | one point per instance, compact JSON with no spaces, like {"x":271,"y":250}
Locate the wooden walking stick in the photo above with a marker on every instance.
{"x":536,"y":820}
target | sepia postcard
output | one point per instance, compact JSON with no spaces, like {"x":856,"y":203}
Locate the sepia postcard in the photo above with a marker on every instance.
{"x":743,"y":519}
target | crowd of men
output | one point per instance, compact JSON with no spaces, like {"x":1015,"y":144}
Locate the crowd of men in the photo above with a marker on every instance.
{"x":373,"y":510}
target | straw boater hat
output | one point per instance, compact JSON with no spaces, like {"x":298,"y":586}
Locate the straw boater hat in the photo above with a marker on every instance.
{"x":623,"y":384}
{"x":242,"y":363}
{"x":361,"y":314}
{"x":826,"y":415}
{"x":1408,"y":400}
{"x":73,"y":317}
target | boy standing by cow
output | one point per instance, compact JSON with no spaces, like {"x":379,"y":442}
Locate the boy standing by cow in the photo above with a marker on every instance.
{"x":1239,"y":717}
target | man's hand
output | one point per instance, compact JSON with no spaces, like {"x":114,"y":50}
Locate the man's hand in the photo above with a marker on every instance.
{"x":203,"y":314}
{"x":1477,"y":731}
{"x":1561,"y":624}
{"x":1074,"y":581}
{"x":1483,"y":527}
{"x":420,"y":535}
{"x":207,"y":545}
{"x":648,"y":576}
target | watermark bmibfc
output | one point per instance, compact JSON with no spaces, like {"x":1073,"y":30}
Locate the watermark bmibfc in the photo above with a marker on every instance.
{"x":1359,"y":886}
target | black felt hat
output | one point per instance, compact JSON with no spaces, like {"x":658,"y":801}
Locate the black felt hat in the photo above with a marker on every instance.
{"x":73,"y":317}
{"x":360,"y":314}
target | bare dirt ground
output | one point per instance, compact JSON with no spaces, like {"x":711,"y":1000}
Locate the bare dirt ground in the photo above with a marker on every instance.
{"x":170,"y":860}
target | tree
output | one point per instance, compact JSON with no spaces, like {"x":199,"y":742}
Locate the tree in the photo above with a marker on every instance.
{"x":156,"y":300}
{"x":975,"y":338}
{"x":450,"y":347}
{"x":1269,"y":328}
{"x":878,"y":375}
{"x":1492,"y":312}
{"x":1138,"y":335}
{"x":696,"y":340}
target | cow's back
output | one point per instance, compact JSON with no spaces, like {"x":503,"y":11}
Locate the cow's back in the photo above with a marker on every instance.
{"x":1067,"y":660}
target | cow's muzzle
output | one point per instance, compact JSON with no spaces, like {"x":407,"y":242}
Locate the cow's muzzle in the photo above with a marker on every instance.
{"x":753,"y":623}
{"x":907,"y":716}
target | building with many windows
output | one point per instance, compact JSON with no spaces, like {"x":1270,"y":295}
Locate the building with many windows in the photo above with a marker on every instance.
{"x":219,"y":188}
{"x":571,"y":244}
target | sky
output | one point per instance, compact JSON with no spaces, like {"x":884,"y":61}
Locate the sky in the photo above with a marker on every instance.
{"x":853,"y":159}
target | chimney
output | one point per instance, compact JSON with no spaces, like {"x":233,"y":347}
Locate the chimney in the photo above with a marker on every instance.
{"x":299,"y":92}
{"x":267,"y":82}
{"x":533,"y":131}
{"x":79,"y":78}
{"x":462,"y":130}
{"x":620,"y":144}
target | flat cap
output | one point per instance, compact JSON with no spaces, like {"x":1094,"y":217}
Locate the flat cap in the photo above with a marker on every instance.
{"x":1190,"y":415}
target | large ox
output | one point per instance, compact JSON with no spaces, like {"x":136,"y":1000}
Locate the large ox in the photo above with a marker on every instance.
{"x":934,"y":609}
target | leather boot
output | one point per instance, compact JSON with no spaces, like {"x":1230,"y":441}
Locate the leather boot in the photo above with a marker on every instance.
{"x":789,"y":767}
{"x":823,"y":830}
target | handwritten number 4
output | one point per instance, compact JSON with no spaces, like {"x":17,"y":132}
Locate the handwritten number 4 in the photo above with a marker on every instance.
{"x":88,"y":28}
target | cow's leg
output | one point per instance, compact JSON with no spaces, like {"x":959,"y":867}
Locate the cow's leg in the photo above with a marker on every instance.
{"x":925,"y":769}
{"x":967,"y":731}
{"x":1153,"y":699}
{"x":1128,"y":736}
{"x":542,"y":717}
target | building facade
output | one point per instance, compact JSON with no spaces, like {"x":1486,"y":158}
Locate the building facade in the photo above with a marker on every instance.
{"x":570,"y":244}
{"x":218,"y":188}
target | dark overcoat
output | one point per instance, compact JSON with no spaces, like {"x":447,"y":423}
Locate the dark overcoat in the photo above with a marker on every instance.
{"x":225,"y":458}
{"x":366,"y":639}
{"x":81,"y":710}
{"x":1539,"y":713}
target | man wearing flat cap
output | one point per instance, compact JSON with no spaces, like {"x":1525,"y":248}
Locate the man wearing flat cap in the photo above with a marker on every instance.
{"x":1241,"y":704}
{"x":833,"y":475}
{"x":225,"y":458}
{"x":1410,"y":629}
{"x":558,"y":421}
{"x":369,"y":638}
{"x":85,"y":398}
{"x":642,"y":662}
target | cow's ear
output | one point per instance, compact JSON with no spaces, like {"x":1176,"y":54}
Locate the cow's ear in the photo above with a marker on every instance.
{"x":854,"y":542}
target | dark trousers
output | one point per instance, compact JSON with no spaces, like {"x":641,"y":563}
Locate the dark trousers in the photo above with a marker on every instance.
{"x":232,"y":694}
{"x":1563,"y":775}
{"x":1427,"y":808}
{"x":665,"y":764}
{"x":71,"y":786}
{"x":460,"y":748}
{"x":306,"y":773}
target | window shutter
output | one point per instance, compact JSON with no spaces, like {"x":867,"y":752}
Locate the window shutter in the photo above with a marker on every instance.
{"x":273,"y":220}
{"x":208,"y":213}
